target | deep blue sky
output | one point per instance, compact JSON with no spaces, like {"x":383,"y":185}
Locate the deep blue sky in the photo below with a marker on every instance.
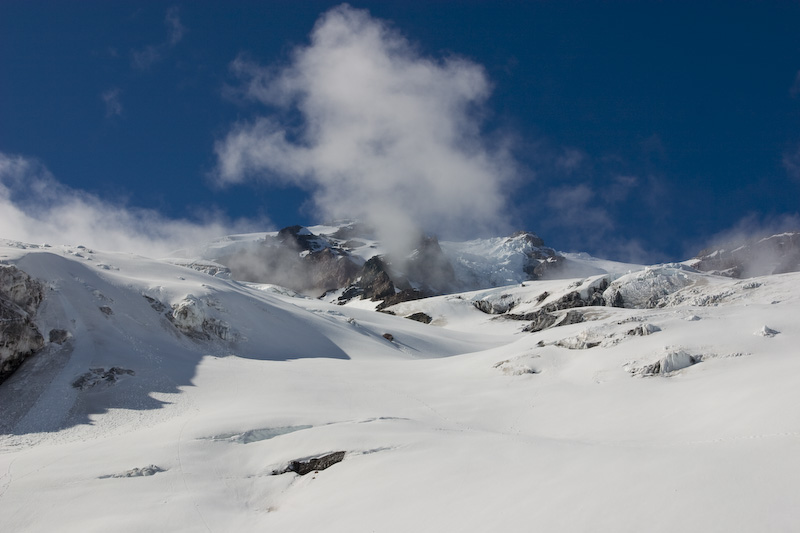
{"x":642,"y":129}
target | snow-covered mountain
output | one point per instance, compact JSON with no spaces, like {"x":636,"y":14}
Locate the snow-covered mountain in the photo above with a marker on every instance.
{"x":347,"y":261}
{"x":774,"y":254}
{"x":165,"y":395}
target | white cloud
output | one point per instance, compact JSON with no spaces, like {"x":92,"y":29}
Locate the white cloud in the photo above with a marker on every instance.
{"x":112,"y":102}
{"x":35,"y":207}
{"x":386,"y":134}
{"x":146,"y":57}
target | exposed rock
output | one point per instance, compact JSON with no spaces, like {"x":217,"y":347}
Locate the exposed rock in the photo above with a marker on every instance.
{"x":671,"y":362}
{"x":353,"y":229}
{"x":572,"y":317}
{"x":421,"y":317}
{"x":20,"y":296}
{"x":388,"y":336}
{"x":519,"y":366}
{"x":315,"y":464}
{"x":100,"y":376}
{"x":529,"y":237}
{"x":149,"y":470}
{"x":549,"y":267}
{"x":542,"y":297}
{"x":616,"y":299}
{"x":106,"y":310}
{"x":375,"y":282}
{"x":541,"y":319}
{"x":58,"y":336}
{"x":504,"y":304}
{"x":296,"y":259}
{"x":207,"y":267}
{"x":406,"y":295}
{"x":191,"y":316}
{"x":155,"y":304}
{"x":643,"y":329}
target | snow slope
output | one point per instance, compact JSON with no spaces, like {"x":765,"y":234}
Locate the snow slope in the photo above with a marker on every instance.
{"x":678,"y":416}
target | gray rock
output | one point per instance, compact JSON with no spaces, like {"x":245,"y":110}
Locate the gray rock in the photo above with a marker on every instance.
{"x":100,"y":376}
{"x":315,"y":464}
{"x":420,"y":317}
{"x":58,"y":336}
{"x":20,"y":296}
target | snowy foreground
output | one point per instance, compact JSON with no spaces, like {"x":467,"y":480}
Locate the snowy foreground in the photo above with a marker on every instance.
{"x":681,"y":417}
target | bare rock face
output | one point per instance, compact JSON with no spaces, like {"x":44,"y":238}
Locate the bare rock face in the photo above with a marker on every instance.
{"x":100,"y":377}
{"x":420,"y":317}
{"x":314,"y":464}
{"x":20,"y":296}
{"x":375,"y":281}
{"x":541,"y":319}
{"x":297,"y":259}
{"x":194,"y":317}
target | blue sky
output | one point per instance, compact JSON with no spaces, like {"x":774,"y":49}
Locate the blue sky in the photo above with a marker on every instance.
{"x":630,"y":130}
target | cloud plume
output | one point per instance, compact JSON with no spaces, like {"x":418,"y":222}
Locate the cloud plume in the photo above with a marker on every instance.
{"x":144,"y":58}
{"x":374,"y":130}
{"x":112,"y":102}
{"x":36,"y":208}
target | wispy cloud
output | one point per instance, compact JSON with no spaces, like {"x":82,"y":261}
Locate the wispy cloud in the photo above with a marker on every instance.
{"x":577,"y":207}
{"x":750,"y":228}
{"x":35,"y":207}
{"x":570,"y":160}
{"x":386,"y":134}
{"x":174,"y":26}
{"x":791,"y":162}
{"x":112,"y":102}
{"x":146,"y":57}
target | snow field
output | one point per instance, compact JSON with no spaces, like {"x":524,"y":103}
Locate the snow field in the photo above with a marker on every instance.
{"x":439,"y":435}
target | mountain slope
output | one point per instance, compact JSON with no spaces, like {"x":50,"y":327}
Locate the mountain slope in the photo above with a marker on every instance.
{"x":674,"y":411}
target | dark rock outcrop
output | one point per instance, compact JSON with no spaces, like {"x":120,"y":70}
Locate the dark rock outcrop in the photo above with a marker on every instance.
{"x":542,"y":320}
{"x":20,"y":297}
{"x":315,"y":464}
{"x":100,"y":376}
{"x":375,"y":282}
{"x":496,"y":307}
{"x":406,"y":295}
{"x":58,"y":336}
{"x":421,"y":317}
{"x":295,"y":258}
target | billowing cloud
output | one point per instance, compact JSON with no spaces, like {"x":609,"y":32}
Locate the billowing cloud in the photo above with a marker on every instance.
{"x":112,"y":102}
{"x":36,"y":208}
{"x":147,"y":56}
{"x":374,"y":130}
